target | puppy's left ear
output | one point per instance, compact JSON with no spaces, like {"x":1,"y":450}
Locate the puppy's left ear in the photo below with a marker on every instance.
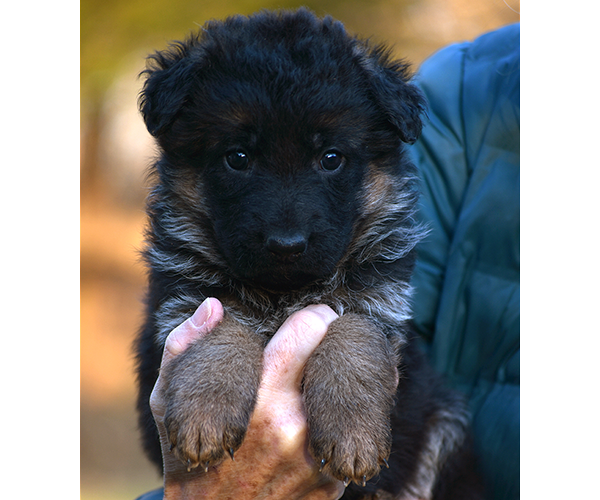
{"x":401,"y":100}
{"x":166,"y":88}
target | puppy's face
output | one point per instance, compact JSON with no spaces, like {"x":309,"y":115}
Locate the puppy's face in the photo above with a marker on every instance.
{"x":275,"y":134}
{"x":283,"y":194}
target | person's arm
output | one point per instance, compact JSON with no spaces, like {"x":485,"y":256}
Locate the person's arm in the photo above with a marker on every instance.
{"x":273,"y":461}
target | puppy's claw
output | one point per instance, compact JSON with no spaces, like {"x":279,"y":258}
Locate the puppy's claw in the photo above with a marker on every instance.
{"x":385,"y":462}
{"x":206,"y":467}
{"x":322,"y":465}
{"x":189,"y":465}
{"x":364,"y":481}
{"x":346,"y":482}
{"x":231,"y":453}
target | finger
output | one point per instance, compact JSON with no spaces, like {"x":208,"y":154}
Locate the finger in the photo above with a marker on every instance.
{"x":292,"y":345}
{"x":208,"y":315}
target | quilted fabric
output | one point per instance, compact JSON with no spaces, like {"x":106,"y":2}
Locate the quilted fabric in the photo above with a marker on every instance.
{"x":466,"y":301}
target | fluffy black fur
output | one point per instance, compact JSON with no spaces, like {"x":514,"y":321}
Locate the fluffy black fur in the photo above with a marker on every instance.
{"x":282,"y":182}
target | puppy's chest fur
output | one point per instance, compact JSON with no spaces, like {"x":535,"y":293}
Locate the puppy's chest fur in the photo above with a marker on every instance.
{"x":387,"y":303}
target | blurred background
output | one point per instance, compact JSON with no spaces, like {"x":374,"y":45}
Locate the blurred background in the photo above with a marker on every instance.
{"x":116,"y":36}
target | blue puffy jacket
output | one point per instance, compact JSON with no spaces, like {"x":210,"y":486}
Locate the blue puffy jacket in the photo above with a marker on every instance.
{"x":466,"y":301}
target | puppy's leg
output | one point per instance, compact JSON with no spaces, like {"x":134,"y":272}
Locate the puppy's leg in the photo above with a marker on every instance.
{"x":210,"y":394}
{"x":349,"y":387}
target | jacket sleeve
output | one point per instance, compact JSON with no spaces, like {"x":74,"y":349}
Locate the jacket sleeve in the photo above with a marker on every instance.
{"x":466,"y":302}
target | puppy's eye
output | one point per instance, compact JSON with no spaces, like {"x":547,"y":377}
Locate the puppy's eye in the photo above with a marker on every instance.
{"x":237,"y":160}
{"x":332,"y":160}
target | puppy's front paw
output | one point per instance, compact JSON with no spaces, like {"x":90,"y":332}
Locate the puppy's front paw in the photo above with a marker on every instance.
{"x":349,"y":448}
{"x":349,"y":387}
{"x":202,"y":430}
{"x":210,"y":394}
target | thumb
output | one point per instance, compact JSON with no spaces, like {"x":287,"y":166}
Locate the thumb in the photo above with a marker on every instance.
{"x":208,"y":315}
{"x":292,"y":345}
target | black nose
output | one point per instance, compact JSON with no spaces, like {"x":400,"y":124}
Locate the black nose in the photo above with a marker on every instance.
{"x":289,"y":247}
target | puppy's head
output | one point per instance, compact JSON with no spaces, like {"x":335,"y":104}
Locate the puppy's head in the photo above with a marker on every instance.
{"x":272,"y":127}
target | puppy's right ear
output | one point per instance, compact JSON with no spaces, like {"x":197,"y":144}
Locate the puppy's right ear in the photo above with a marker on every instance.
{"x":389,"y":80}
{"x":169,"y":78}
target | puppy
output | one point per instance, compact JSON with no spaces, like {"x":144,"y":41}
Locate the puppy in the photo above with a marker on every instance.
{"x":282,"y":182}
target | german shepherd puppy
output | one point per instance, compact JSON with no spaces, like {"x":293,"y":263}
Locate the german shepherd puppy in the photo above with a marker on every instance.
{"x":282,"y":182}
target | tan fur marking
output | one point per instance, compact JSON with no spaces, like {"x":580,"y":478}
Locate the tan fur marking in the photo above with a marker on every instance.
{"x":377,"y":191}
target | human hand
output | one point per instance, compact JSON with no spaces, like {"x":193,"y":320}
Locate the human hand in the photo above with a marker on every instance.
{"x":273,"y":461}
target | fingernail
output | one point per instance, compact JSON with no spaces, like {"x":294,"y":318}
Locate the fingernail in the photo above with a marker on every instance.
{"x":202,"y":314}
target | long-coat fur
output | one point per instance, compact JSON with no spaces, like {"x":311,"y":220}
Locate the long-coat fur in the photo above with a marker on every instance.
{"x":281,"y":182}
